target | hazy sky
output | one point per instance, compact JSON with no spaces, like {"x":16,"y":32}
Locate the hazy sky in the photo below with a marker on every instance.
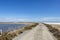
{"x":29,"y":10}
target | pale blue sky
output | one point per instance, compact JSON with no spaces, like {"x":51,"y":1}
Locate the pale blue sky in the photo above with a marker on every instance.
{"x":29,"y":10}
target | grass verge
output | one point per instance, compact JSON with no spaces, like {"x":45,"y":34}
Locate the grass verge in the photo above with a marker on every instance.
{"x":10,"y":36}
{"x":54,"y":31}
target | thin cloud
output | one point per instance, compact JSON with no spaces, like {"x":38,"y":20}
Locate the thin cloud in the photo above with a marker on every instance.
{"x":12,"y":19}
{"x":43,"y":19}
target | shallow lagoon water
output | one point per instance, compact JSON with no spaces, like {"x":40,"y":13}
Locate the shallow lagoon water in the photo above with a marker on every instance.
{"x":10,"y":27}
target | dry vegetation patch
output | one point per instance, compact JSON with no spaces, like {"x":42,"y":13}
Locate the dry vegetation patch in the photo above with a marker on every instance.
{"x":54,"y":30}
{"x":11,"y":35}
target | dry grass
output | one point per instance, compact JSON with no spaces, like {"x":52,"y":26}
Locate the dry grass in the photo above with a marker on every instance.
{"x":54,"y":30}
{"x":56,"y":26}
{"x":10,"y":36}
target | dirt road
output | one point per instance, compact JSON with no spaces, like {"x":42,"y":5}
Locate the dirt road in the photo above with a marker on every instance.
{"x":40,"y":32}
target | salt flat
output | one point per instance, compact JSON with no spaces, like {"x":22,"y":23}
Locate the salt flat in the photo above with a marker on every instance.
{"x":53,"y":23}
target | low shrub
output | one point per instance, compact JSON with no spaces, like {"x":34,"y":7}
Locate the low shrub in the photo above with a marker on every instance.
{"x":31,"y":26}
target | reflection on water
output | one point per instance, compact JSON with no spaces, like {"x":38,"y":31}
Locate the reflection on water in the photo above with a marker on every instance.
{"x":10,"y":27}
